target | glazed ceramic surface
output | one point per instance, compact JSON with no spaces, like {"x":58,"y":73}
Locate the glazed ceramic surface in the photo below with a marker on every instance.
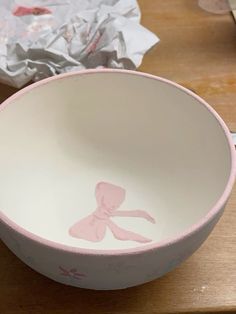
{"x":109,"y":179}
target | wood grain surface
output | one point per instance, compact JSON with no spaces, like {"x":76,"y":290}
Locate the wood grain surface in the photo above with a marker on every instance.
{"x":197,"y":50}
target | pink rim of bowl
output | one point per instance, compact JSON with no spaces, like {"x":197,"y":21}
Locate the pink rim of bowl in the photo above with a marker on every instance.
{"x":167,"y":242}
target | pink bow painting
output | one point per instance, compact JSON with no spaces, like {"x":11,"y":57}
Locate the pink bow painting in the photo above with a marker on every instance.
{"x":93,"y":227}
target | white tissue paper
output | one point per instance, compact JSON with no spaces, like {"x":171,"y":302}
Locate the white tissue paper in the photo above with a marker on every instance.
{"x":41,"y":38}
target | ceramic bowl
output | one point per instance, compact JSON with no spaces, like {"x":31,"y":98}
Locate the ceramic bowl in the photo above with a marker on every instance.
{"x":109,"y":179}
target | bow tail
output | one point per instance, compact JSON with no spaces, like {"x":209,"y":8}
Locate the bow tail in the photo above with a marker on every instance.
{"x":122,"y":234}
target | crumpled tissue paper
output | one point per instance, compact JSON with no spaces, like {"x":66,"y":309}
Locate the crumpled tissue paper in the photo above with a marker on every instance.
{"x":41,"y":38}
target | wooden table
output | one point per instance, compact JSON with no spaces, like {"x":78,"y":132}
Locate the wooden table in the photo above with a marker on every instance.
{"x":197,"y":50}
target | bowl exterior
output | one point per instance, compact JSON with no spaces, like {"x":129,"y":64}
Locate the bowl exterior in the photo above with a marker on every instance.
{"x":105,"y":271}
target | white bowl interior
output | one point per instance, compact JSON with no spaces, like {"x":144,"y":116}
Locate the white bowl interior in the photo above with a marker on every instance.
{"x":154,"y":141}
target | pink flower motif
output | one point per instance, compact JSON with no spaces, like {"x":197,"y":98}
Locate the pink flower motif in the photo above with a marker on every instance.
{"x":21,"y":11}
{"x":72,"y":273}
